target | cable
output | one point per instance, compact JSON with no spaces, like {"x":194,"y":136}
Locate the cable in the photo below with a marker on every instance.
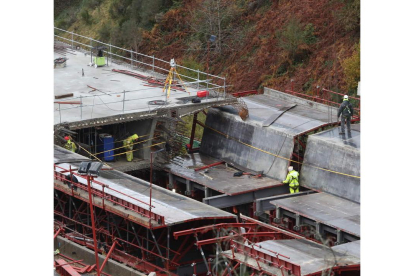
{"x":138,"y":149}
{"x":127,"y":145}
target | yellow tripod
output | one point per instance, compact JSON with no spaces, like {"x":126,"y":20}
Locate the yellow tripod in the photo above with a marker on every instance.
{"x":170,"y":78}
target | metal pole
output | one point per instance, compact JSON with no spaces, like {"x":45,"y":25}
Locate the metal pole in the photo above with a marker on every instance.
{"x":168,"y":249}
{"x":110,"y":51}
{"x":91,"y":51}
{"x":208,"y":54}
{"x":123,"y":103}
{"x":107,"y":256}
{"x":95,"y":244}
{"x":153,"y":64}
{"x":81,"y":106}
{"x":72,"y":40}
{"x":131,"y":59}
{"x":198,"y":78}
{"x":60,"y":115}
{"x":224,"y":87}
{"x":150,"y":207}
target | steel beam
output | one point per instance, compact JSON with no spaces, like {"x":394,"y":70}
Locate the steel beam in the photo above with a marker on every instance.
{"x":224,"y":201}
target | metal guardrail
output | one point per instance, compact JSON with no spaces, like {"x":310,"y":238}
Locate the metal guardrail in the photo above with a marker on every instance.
{"x":213,"y":83}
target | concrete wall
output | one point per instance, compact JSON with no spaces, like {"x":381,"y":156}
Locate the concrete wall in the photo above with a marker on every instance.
{"x":298,"y":100}
{"x":269,"y":139}
{"x":78,"y":252}
{"x":331,"y":156}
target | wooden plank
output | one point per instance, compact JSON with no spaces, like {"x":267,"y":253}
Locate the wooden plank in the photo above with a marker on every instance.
{"x":63,"y":96}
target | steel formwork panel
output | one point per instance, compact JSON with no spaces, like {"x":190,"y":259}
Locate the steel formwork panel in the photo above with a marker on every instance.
{"x":174,"y":208}
{"x":301,"y":257}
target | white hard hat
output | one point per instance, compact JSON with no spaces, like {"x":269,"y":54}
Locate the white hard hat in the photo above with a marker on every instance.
{"x":346,"y":97}
{"x":290,"y":168}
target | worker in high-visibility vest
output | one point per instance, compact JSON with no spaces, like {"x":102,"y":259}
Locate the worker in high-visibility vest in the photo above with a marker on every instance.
{"x":293,"y":179}
{"x":70,"y":145}
{"x":129,"y":146}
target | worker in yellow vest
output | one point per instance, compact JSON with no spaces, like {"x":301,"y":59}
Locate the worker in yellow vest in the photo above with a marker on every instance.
{"x":129,"y":146}
{"x":293,"y":179}
{"x":70,"y":145}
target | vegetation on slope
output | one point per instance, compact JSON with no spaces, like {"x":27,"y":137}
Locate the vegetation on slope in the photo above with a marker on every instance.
{"x":258,"y":42}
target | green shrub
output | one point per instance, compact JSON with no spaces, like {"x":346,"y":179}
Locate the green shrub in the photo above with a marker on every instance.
{"x":352,"y":69}
{"x":86,"y":17}
{"x":294,"y":39}
{"x":349,"y":16}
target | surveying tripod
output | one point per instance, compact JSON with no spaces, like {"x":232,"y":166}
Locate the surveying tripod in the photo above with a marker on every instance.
{"x":170,"y":79}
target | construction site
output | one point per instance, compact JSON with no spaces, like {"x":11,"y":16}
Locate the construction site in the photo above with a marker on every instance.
{"x":134,"y":195}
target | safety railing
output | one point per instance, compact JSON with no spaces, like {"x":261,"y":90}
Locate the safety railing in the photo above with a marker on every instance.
{"x":105,"y":196}
{"x":329,"y":97}
{"x":139,"y":59}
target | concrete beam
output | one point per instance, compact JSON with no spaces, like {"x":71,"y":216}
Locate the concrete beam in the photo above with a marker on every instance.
{"x":140,"y":115}
{"x":263,"y":204}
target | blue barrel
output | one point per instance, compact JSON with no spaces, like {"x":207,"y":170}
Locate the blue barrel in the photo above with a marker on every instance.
{"x":106,"y":145}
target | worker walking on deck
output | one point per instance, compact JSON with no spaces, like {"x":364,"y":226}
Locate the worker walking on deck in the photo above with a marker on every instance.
{"x":70,"y":145}
{"x":293,"y":179}
{"x":347,"y":111}
{"x":129,"y":146}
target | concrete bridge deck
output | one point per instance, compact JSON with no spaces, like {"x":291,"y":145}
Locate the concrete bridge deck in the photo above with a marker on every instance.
{"x":108,"y":103}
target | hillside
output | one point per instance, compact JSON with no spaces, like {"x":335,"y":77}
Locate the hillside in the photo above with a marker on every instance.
{"x":257,"y":42}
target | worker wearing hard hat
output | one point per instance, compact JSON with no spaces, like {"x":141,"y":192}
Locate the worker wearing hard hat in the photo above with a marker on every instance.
{"x":347,"y":111}
{"x":70,"y":145}
{"x":129,"y":146}
{"x":292,"y":179}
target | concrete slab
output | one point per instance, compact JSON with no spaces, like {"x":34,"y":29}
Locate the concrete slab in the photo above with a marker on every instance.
{"x":335,"y":152}
{"x":222,"y":180}
{"x":327,"y":209}
{"x":174,"y":207}
{"x":109,"y":99}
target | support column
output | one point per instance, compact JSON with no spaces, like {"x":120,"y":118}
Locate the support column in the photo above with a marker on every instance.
{"x":278,"y":218}
{"x":193,"y":130}
{"x":207,"y":192}
{"x":189,"y":187}
{"x":298,"y":223}
{"x":339,"y":237}
{"x":170,"y":181}
{"x":318,"y":231}
{"x":147,"y":145}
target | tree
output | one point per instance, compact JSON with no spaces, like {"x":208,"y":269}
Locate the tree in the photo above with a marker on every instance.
{"x":352,"y":69}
